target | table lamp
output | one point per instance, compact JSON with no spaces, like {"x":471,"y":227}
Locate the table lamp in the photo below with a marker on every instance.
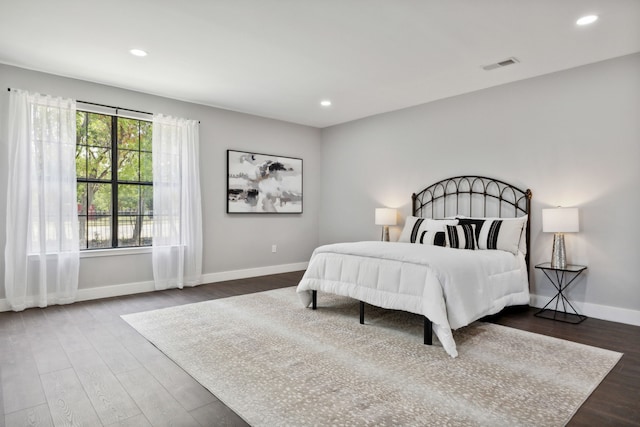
{"x":559,"y":221}
{"x":386,"y":217}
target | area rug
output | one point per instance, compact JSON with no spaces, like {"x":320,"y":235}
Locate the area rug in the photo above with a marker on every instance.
{"x":276,"y":363}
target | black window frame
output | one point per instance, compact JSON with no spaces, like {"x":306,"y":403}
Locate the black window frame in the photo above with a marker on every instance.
{"x":114,"y":182}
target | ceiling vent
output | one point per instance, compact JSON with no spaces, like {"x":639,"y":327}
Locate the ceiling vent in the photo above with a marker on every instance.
{"x":504,"y":63}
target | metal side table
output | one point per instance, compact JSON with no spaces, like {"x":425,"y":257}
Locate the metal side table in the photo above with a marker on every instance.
{"x":561,"y":279}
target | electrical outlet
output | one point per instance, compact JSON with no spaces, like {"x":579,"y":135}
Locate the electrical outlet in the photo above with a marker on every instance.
{"x":274,"y":248}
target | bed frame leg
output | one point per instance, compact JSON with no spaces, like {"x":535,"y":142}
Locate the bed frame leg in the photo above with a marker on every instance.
{"x":361,"y":313}
{"x":314,"y":299}
{"x":428,"y":330}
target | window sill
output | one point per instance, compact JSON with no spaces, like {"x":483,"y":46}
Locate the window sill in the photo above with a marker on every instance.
{"x":94,"y":253}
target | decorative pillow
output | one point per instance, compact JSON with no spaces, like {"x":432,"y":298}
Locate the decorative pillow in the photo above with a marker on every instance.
{"x":435,"y":238}
{"x":477,"y":222}
{"x":500,"y":234}
{"x":414,"y":226}
{"x":506,"y":234}
{"x":407,"y":231}
{"x":461,"y":236}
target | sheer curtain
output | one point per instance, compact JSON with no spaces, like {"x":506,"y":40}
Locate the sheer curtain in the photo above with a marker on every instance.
{"x":42,"y":255}
{"x":177,"y":212}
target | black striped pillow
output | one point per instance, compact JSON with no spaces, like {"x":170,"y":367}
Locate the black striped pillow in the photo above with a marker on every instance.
{"x":461,"y":236}
{"x":414,"y":227}
{"x":501,"y":235}
{"x":508,"y":227}
{"x":435,"y":238}
{"x":478,"y":222}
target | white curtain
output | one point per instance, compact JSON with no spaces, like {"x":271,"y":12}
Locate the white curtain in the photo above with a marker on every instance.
{"x":42,"y":255}
{"x":177,"y":212}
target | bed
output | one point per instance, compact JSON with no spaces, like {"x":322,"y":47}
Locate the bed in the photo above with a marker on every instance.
{"x":462,"y":255}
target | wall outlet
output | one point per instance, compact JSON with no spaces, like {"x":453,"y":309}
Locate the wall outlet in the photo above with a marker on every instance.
{"x":274,"y":248}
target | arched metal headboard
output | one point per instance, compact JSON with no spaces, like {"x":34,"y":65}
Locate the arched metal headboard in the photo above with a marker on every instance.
{"x":473,"y":196}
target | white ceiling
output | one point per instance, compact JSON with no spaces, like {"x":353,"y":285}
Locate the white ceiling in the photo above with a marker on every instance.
{"x":279,"y":58}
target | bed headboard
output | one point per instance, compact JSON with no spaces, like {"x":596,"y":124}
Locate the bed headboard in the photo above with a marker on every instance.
{"x":473,"y":196}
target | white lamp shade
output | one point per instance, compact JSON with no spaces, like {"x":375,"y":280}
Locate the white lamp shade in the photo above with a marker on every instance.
{"x":386,"y":216}
{"x":560,"y":220}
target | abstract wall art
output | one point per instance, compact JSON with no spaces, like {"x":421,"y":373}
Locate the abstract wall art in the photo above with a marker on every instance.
{"x":263,"y":183}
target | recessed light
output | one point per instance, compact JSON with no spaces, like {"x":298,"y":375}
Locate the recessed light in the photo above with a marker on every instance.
{"x":138,"y":52}
{"x":586,"y":20}
{"x":325,"y":103}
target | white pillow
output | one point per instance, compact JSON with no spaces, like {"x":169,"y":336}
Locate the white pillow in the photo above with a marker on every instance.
{"x":415,"y":226}
{"x":507,"y":234}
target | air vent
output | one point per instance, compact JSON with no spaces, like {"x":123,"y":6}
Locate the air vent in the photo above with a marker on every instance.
{"x":504,"y":63}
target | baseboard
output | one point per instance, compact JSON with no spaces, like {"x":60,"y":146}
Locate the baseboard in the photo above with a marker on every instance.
{"x":140,"y":287}
{"x":253,"y":272}
{"x":115,"y":290}
{"x":597,"y":311}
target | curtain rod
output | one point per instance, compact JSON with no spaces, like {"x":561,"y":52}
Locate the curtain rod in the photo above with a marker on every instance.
{"x":109,"y":106}
{"x":116,"y":108}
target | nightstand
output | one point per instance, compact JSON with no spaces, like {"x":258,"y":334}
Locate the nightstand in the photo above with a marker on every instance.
{"x":561,"y":278}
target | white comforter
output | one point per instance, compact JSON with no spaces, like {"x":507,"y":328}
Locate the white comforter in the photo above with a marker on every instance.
{"x":451,"y":287}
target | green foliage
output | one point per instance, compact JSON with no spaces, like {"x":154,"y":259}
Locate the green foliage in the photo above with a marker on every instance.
{"x":146,"y":167}
{"x":93,"y":129}
{"x":128,"y":199}
{"x":145,"y":136}
{"x":128,"y":165}
{"x":129,"y":134}
{"x":99,"y":199}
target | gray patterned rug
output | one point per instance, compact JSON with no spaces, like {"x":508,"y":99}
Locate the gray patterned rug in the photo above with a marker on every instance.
{"x":276,"y":363}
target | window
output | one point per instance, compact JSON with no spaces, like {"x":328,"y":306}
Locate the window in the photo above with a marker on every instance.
{"x":115,"y":181}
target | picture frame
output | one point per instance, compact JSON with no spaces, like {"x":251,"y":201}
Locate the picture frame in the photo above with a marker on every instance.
{"x":260,"y":183}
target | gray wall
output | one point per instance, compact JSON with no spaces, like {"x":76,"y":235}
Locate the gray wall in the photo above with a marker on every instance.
{"x":572,"y":137}
{"x":230,"y":242}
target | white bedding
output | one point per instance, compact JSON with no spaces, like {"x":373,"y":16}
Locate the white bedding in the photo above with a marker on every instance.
{"x":451,"y":287}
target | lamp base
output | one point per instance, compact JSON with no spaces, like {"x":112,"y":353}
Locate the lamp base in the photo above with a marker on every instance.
{"x":385,"y":233}
{"x":559,"y":254}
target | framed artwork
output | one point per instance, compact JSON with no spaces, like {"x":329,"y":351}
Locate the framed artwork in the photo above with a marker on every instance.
{"x":263,"y":183}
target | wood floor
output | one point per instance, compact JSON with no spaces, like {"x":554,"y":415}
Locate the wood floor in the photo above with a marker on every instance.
{"x":81,"y":364}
